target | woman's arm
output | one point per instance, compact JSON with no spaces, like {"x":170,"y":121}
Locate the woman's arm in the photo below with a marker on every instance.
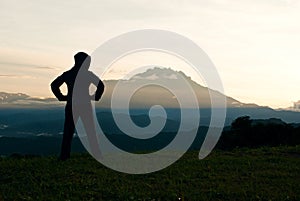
{"x":56,"y":90}
{"x":100,"y":87}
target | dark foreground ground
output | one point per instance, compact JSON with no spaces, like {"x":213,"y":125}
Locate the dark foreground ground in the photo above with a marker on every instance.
{"x":242,"y":174}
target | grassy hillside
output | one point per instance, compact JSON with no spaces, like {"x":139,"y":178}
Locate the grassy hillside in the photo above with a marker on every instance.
{"x":242,"y":174}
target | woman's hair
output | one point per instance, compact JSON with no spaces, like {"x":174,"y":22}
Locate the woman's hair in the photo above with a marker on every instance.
{"x":82,"y":59}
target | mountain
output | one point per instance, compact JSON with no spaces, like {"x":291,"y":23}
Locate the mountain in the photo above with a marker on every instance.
{"x":141,"y":101}
{"x":145,"y":97}
{"x":151,"y":95}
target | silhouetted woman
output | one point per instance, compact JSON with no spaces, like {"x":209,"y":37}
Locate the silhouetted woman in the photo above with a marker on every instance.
{"x":82,"y":63}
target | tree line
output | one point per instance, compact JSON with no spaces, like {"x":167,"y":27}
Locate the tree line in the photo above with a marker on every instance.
{"x":246,"y":132}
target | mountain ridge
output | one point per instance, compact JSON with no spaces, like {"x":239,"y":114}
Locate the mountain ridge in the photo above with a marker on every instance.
{"x":145,"y":97}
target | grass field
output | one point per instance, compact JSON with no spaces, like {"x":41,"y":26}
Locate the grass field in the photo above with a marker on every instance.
{"x":242,"y":174}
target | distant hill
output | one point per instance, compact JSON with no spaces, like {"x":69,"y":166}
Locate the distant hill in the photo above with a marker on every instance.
{"x":20,"y":100}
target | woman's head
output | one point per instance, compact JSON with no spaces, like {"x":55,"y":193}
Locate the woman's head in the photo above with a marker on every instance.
{"x":82,"y":60}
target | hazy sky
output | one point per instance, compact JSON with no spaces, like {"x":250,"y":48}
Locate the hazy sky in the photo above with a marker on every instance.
{"x":255,"y":44}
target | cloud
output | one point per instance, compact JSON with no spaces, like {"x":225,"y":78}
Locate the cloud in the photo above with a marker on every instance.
{"x":14,"y":76}
{"x":34,"y":66}
{"x":150,"y":77}
{"x":46,"y":68}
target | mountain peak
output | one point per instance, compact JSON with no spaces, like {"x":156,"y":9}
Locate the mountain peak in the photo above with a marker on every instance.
{"x":159,"y":73}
